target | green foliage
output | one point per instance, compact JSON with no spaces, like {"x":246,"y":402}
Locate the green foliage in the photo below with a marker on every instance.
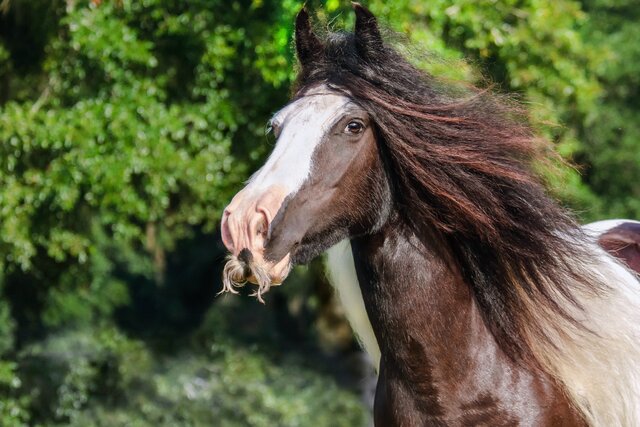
{"x":13,"y":405}
{"x":611,"y":133}
{"x":114,"y":155}
{"x":126,"y":126}
{"x":110,"y":380}
{"x":534,"y":49}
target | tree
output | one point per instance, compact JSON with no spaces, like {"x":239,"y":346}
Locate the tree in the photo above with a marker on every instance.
{"x":611,"y":130}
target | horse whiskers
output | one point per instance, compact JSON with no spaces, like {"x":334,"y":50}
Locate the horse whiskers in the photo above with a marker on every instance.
{"x":232,"y":275}
{"x":264,"y":281}
{"x":235,"y":275}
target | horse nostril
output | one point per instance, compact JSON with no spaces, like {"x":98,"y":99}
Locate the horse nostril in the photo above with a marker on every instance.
{"x":261,"y":230}
{"x":262,"y":226}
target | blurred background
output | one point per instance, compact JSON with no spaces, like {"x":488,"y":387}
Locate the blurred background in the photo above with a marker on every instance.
{"x":127,"y":125}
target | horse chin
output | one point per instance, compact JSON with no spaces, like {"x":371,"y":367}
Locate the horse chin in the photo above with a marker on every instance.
{"x":314,"y":245}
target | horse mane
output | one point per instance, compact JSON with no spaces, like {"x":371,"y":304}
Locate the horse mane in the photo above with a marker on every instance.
{"x":462,"y":162}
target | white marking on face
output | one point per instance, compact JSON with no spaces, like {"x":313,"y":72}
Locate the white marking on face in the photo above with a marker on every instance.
{"x":303,"y":124}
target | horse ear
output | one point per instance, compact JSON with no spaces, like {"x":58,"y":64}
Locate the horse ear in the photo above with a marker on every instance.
{"x":308,"y":46}
{"x":368,"y":38}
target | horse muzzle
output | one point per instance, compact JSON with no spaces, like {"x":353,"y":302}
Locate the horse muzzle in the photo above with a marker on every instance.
{"x":245,"y":228}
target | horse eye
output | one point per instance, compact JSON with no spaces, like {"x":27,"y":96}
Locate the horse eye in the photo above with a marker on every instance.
{"x":354,"y":127}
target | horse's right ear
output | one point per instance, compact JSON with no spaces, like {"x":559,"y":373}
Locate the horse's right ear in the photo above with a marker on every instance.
{"x":308,"y":46}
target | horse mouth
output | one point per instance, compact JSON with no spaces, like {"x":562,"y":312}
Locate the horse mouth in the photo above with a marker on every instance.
{"x":245,"y":268}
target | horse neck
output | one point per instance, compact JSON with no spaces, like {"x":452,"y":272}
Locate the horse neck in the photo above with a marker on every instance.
{"x":423,"y":314}
{"x":437,"y":355}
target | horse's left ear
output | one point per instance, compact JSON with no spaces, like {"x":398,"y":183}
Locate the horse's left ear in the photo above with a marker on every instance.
{"x":368,"y":38}
{"x":308,"y":46}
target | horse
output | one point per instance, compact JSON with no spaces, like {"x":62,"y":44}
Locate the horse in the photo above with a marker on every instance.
{"x":479,"y":297}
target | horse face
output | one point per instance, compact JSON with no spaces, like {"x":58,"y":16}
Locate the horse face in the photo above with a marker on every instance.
{"x":323,"y":182}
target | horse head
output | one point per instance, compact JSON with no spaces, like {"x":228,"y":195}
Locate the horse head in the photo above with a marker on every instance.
{"x":324,"y":180}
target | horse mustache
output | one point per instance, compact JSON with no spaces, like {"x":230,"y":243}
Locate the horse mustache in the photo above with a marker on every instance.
{"x":242,"y":268}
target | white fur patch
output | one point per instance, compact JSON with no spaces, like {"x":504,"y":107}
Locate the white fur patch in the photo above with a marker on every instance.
{"x":601,"y":370}
{"x":341,"y":272}
{"x":303,"y":125}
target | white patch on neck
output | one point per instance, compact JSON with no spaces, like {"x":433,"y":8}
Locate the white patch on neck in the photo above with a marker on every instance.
{"x":341,"y":272}
{"x":303,"y":124}
{"x":599,"y":369}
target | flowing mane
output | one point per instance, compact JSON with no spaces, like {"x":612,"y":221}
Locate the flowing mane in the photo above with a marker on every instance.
{"x":463,"y":165}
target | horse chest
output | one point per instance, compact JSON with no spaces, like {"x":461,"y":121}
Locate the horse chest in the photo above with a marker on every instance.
{"x":439,"y":363}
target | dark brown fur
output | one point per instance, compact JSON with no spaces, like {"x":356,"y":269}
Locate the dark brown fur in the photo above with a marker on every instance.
{"x":441,"y":365}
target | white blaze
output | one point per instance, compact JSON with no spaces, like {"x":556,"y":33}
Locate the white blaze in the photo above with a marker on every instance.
{"x":303,"y":124}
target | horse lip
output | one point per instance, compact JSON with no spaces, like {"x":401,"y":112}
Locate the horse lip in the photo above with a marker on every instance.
{"x":277,"y":273}
{"x":280,"y":253}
